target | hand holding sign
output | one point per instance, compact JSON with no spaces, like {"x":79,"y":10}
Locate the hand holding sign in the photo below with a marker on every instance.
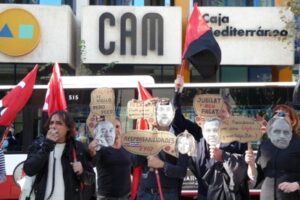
{"x":104,"y":134}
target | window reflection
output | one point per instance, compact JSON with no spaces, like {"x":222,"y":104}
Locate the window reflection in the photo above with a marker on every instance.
{"x":235,"y":2}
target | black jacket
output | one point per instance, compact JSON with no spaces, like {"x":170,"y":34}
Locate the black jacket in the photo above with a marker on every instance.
{"x":216,"y":180}
{"x":37,"y":164}
{"x":276,"y":166}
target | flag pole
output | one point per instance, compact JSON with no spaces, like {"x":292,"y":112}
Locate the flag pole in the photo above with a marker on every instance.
{"x":161,"y":194}
{"x":181,"y":67}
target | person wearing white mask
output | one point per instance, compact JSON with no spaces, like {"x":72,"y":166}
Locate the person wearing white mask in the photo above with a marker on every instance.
{"x":277,"y":163}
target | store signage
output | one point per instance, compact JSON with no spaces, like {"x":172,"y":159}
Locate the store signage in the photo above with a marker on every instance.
{"x":29,"y":35}
{"x":142,"y":35}
{"x":19,"y":32}
{"x":252,"y":35}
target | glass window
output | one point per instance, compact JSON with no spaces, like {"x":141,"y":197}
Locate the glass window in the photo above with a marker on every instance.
{"x":133,"y":2}
{"x":235,"y":2}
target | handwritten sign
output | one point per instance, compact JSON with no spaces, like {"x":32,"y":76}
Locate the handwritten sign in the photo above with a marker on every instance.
{"x":147,"y":142}
{"x":241,"y":129}
{"x":137,"y":109}
{"x":103,"y":102}
{"x":208,"y":105}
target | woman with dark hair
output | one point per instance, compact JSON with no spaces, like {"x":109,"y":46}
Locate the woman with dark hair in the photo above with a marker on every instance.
{"x":59,"y":162}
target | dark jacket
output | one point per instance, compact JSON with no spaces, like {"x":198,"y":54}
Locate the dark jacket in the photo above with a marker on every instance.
{"x":216,"y":180}
{"x":276,"y":166}
{"x":37,"y":164}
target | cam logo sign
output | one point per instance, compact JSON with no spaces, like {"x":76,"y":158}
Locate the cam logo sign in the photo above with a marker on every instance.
{"x":19,"y":32}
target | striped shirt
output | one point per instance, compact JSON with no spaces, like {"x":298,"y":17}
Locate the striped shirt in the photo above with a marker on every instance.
{"x":2,"y":167}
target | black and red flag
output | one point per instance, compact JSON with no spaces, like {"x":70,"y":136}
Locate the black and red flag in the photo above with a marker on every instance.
{"x":201,"y":48}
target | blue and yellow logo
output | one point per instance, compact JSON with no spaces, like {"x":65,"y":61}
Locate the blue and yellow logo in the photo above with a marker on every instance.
{"x":19,"y":32}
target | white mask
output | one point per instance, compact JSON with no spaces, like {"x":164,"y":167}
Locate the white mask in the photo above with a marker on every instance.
{"x":280,"y":132}
{"x":104,"y":133}
{"x":211,"y":132}
{"x":164,"y":114}
{"x":186,"y":144}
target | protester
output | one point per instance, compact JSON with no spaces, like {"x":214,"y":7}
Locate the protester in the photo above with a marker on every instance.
{"x":59,"y":162}
{"x":13,"y":140}
{"x":113,"y":165}
{"x":220,"y":170}
{"x":171,"y":170}
{"x":289,"y":113}
{"x":2,"y":167}
{"x":277,"y":163}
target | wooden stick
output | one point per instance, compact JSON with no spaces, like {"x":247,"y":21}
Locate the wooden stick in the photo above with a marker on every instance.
{"x":249,"y":146}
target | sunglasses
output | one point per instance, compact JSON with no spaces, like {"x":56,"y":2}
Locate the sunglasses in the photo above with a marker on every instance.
{"x":280,"y":114}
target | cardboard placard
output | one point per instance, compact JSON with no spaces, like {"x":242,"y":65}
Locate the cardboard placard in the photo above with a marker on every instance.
{"x":147,"y":142}
{"x":241,"y":129}
{"x":137,"y":109}
{"x":208,"y":105}
{"x":103,"y":102}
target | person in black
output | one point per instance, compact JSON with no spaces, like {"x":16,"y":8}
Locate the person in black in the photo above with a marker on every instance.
{"x":221,"y":171}
{"x":113,"y":165}
{"x":59,"y":162}
{"x":171,"y":170}
{"x":277,"y":163}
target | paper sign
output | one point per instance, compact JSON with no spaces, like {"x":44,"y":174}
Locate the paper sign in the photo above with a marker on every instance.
{"x":147,"y":142}
{"x":241,"y":129}
{"x":208,"y":105}
{"x":103,"y":102}
{"x":137,"y":109}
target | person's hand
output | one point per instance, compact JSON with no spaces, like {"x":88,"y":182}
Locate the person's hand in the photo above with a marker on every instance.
{"x":199,"y":120}
{"x":77,"y":167}
{"x":216,"y":153}
{"x":249,"y":157}
{"x":289,"y":187}
{"x":93,"y":147}
{"x":52,"y":135}
{"x":179,"y":83}
{"x":155,"y":162}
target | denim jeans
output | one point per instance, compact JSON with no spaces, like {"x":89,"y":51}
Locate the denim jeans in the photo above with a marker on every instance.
{"x":201,"y":197}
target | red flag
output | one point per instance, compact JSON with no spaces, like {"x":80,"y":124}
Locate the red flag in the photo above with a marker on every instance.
{"x":143,"y":94}
{"x":142,"y":124}
{"x":16,"y":99}
{"x":200,"y":47}
{"x":55,"y":96}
